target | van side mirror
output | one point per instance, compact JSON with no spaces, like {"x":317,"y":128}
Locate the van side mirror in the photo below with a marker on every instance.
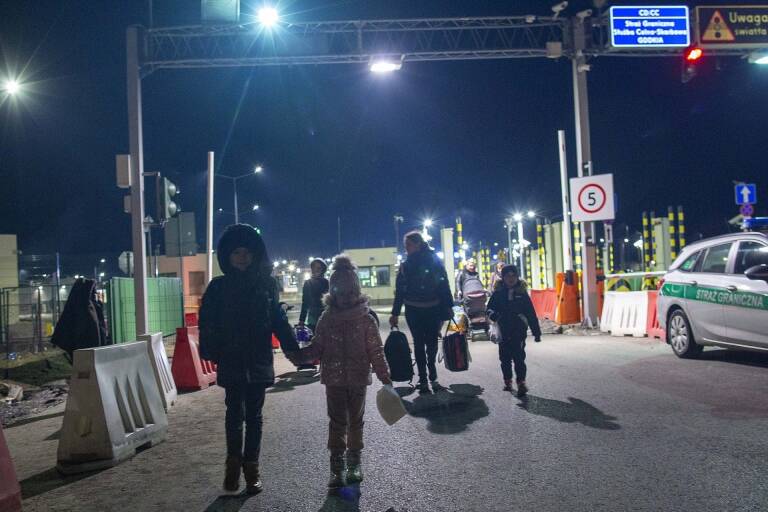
{"x":758,"y":273}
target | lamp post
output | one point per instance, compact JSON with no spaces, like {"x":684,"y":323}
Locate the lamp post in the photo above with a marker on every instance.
{"x":257,"y":170}
{"x":398,"y":219}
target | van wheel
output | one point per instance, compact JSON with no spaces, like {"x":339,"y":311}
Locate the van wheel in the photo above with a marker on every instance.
{"x":680,"y":336}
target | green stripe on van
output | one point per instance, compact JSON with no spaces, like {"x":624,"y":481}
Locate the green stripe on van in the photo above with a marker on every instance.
{"x":716,"y":296}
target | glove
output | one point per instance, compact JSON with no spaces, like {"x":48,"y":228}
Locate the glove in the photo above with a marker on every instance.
{"x":294,"y":358}
{"x":537,"y":339}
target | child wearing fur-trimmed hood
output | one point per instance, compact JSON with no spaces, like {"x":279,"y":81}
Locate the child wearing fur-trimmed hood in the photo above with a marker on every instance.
{"x":348,"y":344}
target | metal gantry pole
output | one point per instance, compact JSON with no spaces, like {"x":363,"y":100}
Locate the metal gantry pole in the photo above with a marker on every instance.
{"x":209,"y":221}
{"x":584,"y":162}
{"x":135,"y":136}
{"x":237,"y":212}
{"x":567,"y":250}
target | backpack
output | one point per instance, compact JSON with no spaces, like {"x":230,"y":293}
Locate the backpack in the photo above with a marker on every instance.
{"x":398,"y":354}
{"x":455,"y":352}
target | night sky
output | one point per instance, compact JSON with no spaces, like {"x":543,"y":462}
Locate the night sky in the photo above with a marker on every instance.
{"x":435,"y":139}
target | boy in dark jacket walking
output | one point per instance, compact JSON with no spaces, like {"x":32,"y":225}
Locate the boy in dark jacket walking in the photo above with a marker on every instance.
{"x":511,"y":307}
{"x":239,"y":313}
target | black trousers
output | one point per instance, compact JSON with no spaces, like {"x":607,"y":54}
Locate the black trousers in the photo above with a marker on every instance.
{"x":425,"y":325}
{"x":244,"y":404}
{"x":509,"y":351}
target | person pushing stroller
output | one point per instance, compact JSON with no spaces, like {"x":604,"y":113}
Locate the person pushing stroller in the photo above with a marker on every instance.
{"x":512,"y":308}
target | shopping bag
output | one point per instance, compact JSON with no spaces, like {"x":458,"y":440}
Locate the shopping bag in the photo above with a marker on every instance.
{"x":390,"y":405}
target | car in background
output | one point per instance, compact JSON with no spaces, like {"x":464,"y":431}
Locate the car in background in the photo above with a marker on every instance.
{"x":716,"y":293}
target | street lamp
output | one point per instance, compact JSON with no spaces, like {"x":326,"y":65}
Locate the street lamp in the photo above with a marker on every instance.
{"x":257,"y":170}
{"x":268,"y":16}
{"x":384,"y":65}
{"x":11,"y":87}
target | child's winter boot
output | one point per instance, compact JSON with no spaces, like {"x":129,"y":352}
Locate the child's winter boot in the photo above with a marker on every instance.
{"x":522,"y":389}
{"x":337,"y":471}
{"x":232,"y":474}
{"x":253,"y":483}
{"x":354,"y":467}
{"x":507,"y":384}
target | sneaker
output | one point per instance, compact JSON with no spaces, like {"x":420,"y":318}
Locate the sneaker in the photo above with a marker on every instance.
{"x":354,"y":467}
{"x":232,"y":475}
{"x":522,"y":389}
{"x":253,"y":483}
{"x":507,"y":385}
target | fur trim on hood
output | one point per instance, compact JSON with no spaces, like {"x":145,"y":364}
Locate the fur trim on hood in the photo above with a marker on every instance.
{"x":243,"y":235}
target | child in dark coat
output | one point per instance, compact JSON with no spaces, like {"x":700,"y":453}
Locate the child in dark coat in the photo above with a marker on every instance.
{"x":512,"y":308}
{"x":240,"y":312}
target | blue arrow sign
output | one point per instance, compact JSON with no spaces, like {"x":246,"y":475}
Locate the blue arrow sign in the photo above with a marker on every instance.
{"x":650,"y":26}
{"x":746,"y":193}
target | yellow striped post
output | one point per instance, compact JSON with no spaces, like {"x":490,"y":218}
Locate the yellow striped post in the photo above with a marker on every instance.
{"x":646,"y":244}
{"x":681,"y":227}
{"x":460,"y":241}
{"x":672,"y":237}
{"x":542,"y":255}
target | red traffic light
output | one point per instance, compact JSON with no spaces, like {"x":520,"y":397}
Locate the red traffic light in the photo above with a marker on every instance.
{"x":693,"y":54}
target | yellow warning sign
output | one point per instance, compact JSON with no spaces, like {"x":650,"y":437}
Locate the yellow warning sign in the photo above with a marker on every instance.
{"x":717,"y":30}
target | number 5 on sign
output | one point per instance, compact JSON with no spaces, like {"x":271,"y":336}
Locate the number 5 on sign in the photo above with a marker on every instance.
{"x":592,"y":198}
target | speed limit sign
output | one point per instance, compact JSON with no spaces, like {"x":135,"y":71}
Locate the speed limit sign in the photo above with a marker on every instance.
{"x":592,"y":198}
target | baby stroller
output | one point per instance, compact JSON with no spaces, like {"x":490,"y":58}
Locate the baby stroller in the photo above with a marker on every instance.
{"x":475,"y":297}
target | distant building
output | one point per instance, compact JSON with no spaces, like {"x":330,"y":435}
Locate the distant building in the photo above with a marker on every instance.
{"x":377,"y":271}
{"x":9,"y":262}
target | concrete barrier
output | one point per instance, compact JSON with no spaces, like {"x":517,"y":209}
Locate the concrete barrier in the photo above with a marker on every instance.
{"x":625,"y":313}
{"x":161,"y":367}
{"x":609,"y":306}
{"x":114,"y":408}
{"x":10,"y":492}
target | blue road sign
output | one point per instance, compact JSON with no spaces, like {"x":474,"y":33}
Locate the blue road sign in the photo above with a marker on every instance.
{"x":746,"y":193}
{"x":650,"y":26}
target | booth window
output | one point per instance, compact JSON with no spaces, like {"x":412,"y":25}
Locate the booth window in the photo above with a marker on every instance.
{"x":371,"y":277}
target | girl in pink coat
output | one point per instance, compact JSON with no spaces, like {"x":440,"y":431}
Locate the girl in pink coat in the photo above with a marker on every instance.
{"x":348,"y":344}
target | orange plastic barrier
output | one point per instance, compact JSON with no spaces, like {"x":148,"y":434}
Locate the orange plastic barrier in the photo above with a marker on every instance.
{"x":545,"y":303}
{"x":10,"y":492}
{"x":189,"y":370}
{"x":568,"y":309}
{"x":654,"y":329}
{"x":190,"y":319}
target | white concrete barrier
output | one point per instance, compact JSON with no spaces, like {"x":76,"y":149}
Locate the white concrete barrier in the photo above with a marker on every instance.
{"x":627,"y":314}
{"x":114,"y":408}
{"x":609,"y":306}
{"x":161,"y":367}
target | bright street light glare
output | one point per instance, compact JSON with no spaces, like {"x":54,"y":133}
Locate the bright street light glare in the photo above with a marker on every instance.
{"x":11,"y":86}
{"x":428,"y":223}
{"x":258,"y":169}
{"x":384,"y":66}
{"x":531,"y":214}
{"x":758,"y":58}
{"x":518,"y":217}
{"x":255,"y":207}
{"x":268,"y":16}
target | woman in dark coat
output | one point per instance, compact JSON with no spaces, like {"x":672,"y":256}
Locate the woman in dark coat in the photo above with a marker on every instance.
{"x":240,"y":311}
{"x":422,"y":286}
{"x":312,"y":294}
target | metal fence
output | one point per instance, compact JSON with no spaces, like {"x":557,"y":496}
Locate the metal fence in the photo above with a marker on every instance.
{"x":28,"y":315}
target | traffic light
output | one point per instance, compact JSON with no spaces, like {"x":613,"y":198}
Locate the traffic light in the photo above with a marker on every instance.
{"x":691,"y":59}
{"x":168,"y":208}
